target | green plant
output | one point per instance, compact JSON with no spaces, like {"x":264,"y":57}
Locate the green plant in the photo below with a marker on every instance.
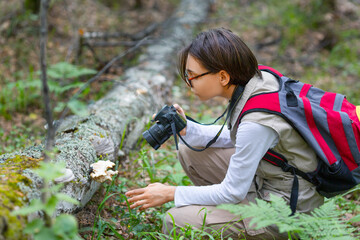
{"x":63,"y":226}
{"x":18,"y":96}
{"x":100,"y":224}
{"x":348,"y":202}
{"x":187,"y":232}
{"x":65,"y":70}
{"x":147,"y":166}
{"x":324,"y":222}
{"x":162,"y":166}
{"x":22,"y":94}
{"x":136,"y":222}
{"x":141,"y":221}
{"x":345,"y":54}
{"x":24,"y":21}
{"x":174,"y":174}
{"x":17,"y":138}
{"x":296,"y":18}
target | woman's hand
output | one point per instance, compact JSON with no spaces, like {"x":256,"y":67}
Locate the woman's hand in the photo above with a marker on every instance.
{"x":153,"y":195}
{"x":182,"y":113}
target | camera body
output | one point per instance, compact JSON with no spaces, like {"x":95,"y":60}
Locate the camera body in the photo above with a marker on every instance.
{"x":162,"y":130}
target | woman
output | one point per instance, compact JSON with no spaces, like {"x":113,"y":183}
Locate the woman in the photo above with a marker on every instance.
{"x":215,"y":64}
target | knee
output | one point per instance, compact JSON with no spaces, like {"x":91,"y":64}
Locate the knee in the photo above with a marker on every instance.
{"x":183,"y":150}
{"x":176,"y":218}
{"x":169,"y":221}
{"x":184,"y":154}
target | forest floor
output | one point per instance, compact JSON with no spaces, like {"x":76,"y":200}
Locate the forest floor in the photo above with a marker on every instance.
{"x":319,"y":45}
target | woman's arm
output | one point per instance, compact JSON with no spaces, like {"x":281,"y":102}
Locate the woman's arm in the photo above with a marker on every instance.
{"x":199,"y":135}
{"x":252,"y":142}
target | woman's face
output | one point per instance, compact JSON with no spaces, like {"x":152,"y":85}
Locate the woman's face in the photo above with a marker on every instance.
{"x":207,"y":86}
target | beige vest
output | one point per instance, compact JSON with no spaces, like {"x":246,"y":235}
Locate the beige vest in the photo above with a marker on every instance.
{"x":271,"y":179}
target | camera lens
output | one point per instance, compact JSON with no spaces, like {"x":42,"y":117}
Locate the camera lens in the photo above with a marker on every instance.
{"x":156,"y":135}
{"x":149,"y":138}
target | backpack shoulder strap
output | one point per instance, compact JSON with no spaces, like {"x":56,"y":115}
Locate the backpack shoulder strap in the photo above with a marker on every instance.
{"x":264,"y":102}
{"x":270,"y":70}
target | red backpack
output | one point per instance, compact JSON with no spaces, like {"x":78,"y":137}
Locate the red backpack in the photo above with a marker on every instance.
{"x":326,"y":121}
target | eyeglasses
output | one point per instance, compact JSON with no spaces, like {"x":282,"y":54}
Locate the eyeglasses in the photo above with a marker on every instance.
{"x":188,"y":80}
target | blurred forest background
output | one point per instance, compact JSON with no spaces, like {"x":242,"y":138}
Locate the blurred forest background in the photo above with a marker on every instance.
{"x":315,"y":41}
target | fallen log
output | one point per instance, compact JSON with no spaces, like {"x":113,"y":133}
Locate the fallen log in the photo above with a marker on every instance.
{"x":81,"y":140}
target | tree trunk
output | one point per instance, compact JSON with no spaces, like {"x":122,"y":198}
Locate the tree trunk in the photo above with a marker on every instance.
{"x":81,"y":140}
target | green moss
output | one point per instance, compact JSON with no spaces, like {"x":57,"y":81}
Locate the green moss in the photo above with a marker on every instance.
{"x":10,"y":193}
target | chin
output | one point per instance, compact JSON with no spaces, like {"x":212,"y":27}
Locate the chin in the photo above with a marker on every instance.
{"x":203,"y":99}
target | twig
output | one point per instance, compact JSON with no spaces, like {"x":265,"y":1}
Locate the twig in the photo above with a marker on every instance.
{"x":119,"y":43}
{"x":85,"y":39}
{"x":93,"y":53}
{"x":138,"y":36}
{"x":45,"y":89}
{"x":147,"y":31}
{"x":107,"y":66}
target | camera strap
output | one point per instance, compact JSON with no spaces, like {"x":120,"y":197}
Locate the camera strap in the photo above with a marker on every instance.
{"x":193,"y":120}
{"x":233,"y":102}
{"x":173,"y":128}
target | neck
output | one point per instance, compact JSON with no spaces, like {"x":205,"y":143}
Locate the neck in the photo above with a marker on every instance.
{"x":228,"y":92}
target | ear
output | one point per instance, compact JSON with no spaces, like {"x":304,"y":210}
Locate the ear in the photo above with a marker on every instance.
{"x":224,"y":78}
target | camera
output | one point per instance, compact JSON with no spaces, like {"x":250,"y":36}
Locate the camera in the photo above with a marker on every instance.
{"x":162,"y":130}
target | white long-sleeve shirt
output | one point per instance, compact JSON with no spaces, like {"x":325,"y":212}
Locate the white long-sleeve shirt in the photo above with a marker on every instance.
{"x":252,"y":142}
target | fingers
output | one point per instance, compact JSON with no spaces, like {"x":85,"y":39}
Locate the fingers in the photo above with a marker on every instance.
{"x":138,"y":203}
{"x":146,"y":206}
{"x":135,"y":192}
{"x":137,"y":198}
{"x":178,"y":108}
{"x":155,"y":194}
{"x":182,"y":113}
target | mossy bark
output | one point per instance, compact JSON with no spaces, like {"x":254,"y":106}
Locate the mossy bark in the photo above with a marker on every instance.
{"x":81,"y":140}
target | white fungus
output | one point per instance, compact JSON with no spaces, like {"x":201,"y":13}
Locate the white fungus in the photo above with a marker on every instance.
{"x":101,"y":171}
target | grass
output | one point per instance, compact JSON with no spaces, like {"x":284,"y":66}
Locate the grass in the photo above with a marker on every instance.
{"x":18,"y":138}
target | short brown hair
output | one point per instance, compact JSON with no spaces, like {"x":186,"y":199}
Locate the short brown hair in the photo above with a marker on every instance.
{"x":221,"y":49}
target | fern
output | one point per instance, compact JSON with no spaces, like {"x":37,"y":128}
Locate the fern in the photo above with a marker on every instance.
{"x":67,"y":70}
{"x":323,"y":223}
